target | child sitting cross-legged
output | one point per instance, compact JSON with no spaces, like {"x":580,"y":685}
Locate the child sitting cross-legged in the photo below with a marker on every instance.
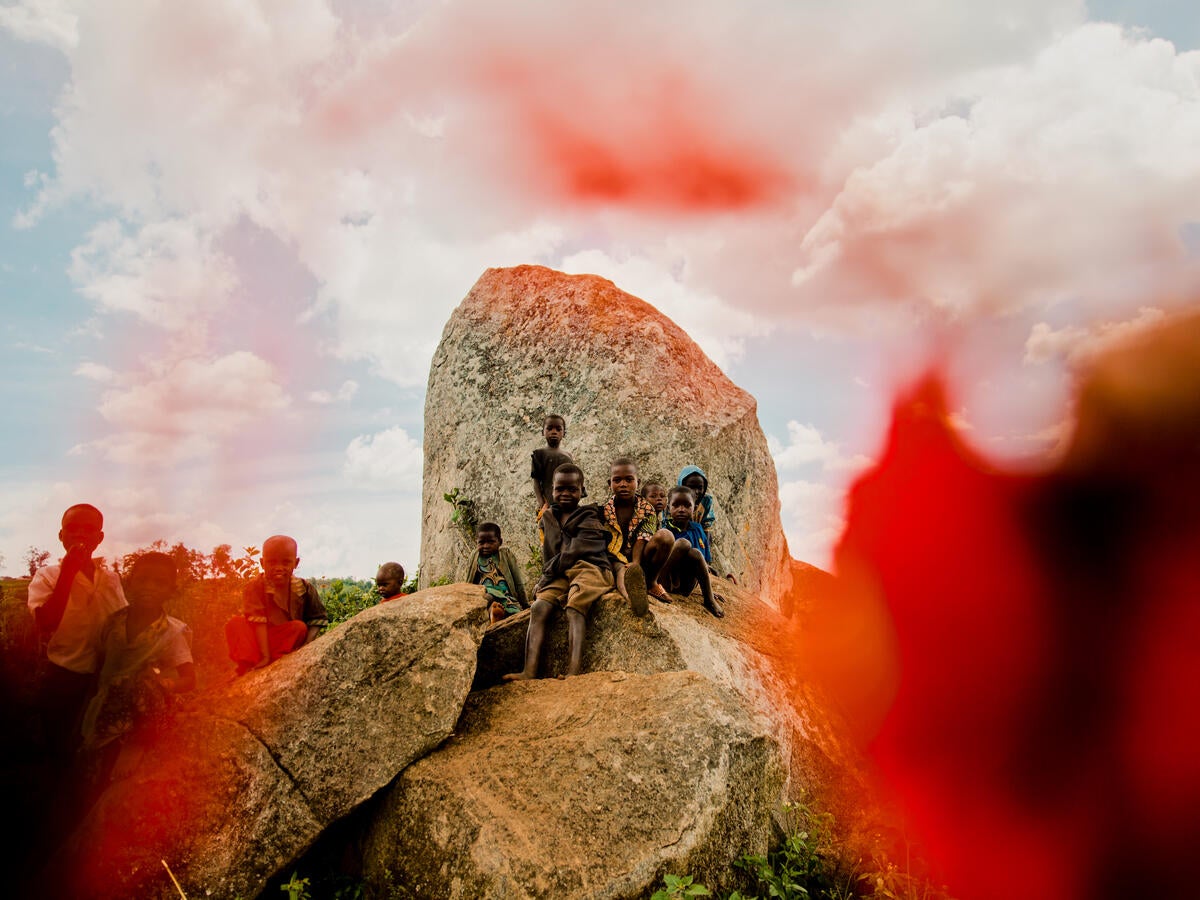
{"x":676,"y":559}
{"x":576,"y":573}
{"x":494,"y":566}
{"x":282,"y":613}
{"x":146,"y":657}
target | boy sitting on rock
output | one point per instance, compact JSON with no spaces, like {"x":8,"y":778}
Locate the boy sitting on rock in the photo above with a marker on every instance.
{"x":282,"y":613}
{"x":494,"y":566}
{"x":389,"y":581}
{"x":633,"y":522}
{"x":576,"y":573}
{"x":547,"y":459}
{"x":676,"y":559}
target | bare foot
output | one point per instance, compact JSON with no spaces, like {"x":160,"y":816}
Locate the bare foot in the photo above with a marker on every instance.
{"x":517,"y":676}
{"x":657,"y":591}
{"x":715,"y":608}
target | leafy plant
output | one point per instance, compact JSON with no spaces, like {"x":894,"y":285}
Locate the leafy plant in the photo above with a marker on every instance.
{"x":345,"y":598}
{"x":806,"y":864}
{"x":296,"y":888}
{"x":413,"y":584}
{"x":533,"y":567}
{"x":464,"y":518}
{"x":675,"y":886}
{"x":35,"y":558}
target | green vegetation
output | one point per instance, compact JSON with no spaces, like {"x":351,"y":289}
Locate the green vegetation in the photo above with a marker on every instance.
{"x":464,"y":518}
{"x":345,"y":598}
{"x":809,"y":864}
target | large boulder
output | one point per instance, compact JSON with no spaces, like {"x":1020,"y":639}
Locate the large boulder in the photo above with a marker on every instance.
{"x":245,"y":781}
{"x":529,"y":341}
{"x":590,"y":787}
{"x":750,"y":653}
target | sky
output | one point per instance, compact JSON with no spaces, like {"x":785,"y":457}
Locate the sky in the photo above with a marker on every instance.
{"x":233,"y":231}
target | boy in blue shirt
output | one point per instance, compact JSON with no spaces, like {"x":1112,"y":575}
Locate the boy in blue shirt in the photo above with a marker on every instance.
{"x":677,"y":557}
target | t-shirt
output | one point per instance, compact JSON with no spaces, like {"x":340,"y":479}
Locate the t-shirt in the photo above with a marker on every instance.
{"x":694,"y":534}
{"x":127,"y":690}
{"x":545,"y":461}
{"x":90,"y":603}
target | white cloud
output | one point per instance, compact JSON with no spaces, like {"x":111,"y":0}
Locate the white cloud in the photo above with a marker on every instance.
{"x":42,"y":22}
{"x":95,"y":372}
{"x":807,"y":446}
{"x":813,"y":517}
{"x":344,"y":394}
{"x":387,"y":459}
{"x":1077,"y":343}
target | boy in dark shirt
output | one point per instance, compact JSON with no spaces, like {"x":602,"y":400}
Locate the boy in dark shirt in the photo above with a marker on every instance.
{"x":633,"y":522}
{"x":676,"y":559}
{"x":494,"y":566}
{"x":577,"y":570}
{"x":282,"y":613}
{"x":547,"y":459}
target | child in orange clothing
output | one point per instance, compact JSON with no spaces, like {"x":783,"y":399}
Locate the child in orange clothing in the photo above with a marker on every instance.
{"x":389,"y":581}
{"x":282,"y":613}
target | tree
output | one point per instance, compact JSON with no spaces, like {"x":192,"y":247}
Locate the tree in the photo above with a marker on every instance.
{"x":35,"y":558}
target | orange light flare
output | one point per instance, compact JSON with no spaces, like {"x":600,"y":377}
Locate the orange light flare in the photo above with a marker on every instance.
{"x":1020,"y":653}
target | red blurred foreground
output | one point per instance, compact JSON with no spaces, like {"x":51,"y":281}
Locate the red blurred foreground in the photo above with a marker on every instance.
{"x":1025,"y":651}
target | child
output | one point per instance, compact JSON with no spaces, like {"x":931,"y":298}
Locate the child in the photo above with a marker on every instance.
{"x":70,"y":603}
{"x":494,"y":566}
{"x":389,"y":581}
{"x":656,"y":495}
{"x":282,"y":613}
{"x":146,"y":657}
{"x":576,"y":573}
{"x":547,"y":459}
{"x":633,"y":522}
{"x":706,"y":508}
{"x":677,"y":557}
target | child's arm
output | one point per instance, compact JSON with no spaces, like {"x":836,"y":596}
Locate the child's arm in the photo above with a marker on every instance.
{"x":315,"y":616}
{"x":537,"y":493}
{"x":184,"y":680}
{"x":49,"y":614}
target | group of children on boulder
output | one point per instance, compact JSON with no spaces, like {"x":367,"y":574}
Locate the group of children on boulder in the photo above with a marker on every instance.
{"x":112,"y":655}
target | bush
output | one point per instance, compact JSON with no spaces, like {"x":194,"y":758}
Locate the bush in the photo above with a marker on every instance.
{"x":345,"y":598}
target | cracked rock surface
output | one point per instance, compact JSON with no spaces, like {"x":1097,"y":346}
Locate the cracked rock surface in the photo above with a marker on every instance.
{"x":589,"y":787}
{"x":244,"y":781}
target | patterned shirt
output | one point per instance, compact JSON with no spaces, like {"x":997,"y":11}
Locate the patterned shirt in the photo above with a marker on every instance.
{"x":642,"y":525}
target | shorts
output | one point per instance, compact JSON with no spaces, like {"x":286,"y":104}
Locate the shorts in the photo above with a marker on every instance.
{"x":582,"y":586}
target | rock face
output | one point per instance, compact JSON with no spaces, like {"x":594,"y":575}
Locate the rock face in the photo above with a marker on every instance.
{"x":529,"y":341}
{"x":747,"y":653}
{"x":240,"y":788}
{"x":590,"y":787}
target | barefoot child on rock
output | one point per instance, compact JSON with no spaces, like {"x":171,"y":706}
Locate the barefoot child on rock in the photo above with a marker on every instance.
{"x":633,"y":522}
{"x":676,"y":559}
{"x":576,"y":573}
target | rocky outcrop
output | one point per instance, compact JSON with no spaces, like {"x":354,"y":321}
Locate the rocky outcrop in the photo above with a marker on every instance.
{"x":528,"y":341}
{"x":750,"y":653}
{"x":245,"y":781}
{"x":590,"y":787}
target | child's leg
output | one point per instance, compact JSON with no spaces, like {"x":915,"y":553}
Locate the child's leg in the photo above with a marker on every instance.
{"x":576,"y":632}
{"x":700,"y":569}
{"x":243,"y":645}
{"x":286,"y":637}
{"x":588,"y":584}
{"x":658,"y":556}
{"x":539,"y":614}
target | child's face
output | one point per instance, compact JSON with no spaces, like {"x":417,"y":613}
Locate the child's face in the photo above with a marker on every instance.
{"x":488,"y":543}
{"x":80,"y":527}
{"x":279,"y":561}
{"x":622,"y":481}
{"x":567,"y":490}
{"x":681,"y":508}
{"x":696,"y":483}
{"x":149,"y":587}
{"x":656,"y":494}
{"x":553,"y":431}
{"x":389,"y":580}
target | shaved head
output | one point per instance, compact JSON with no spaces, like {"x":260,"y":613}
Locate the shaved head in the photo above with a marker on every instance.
{"x":281,"y":542}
